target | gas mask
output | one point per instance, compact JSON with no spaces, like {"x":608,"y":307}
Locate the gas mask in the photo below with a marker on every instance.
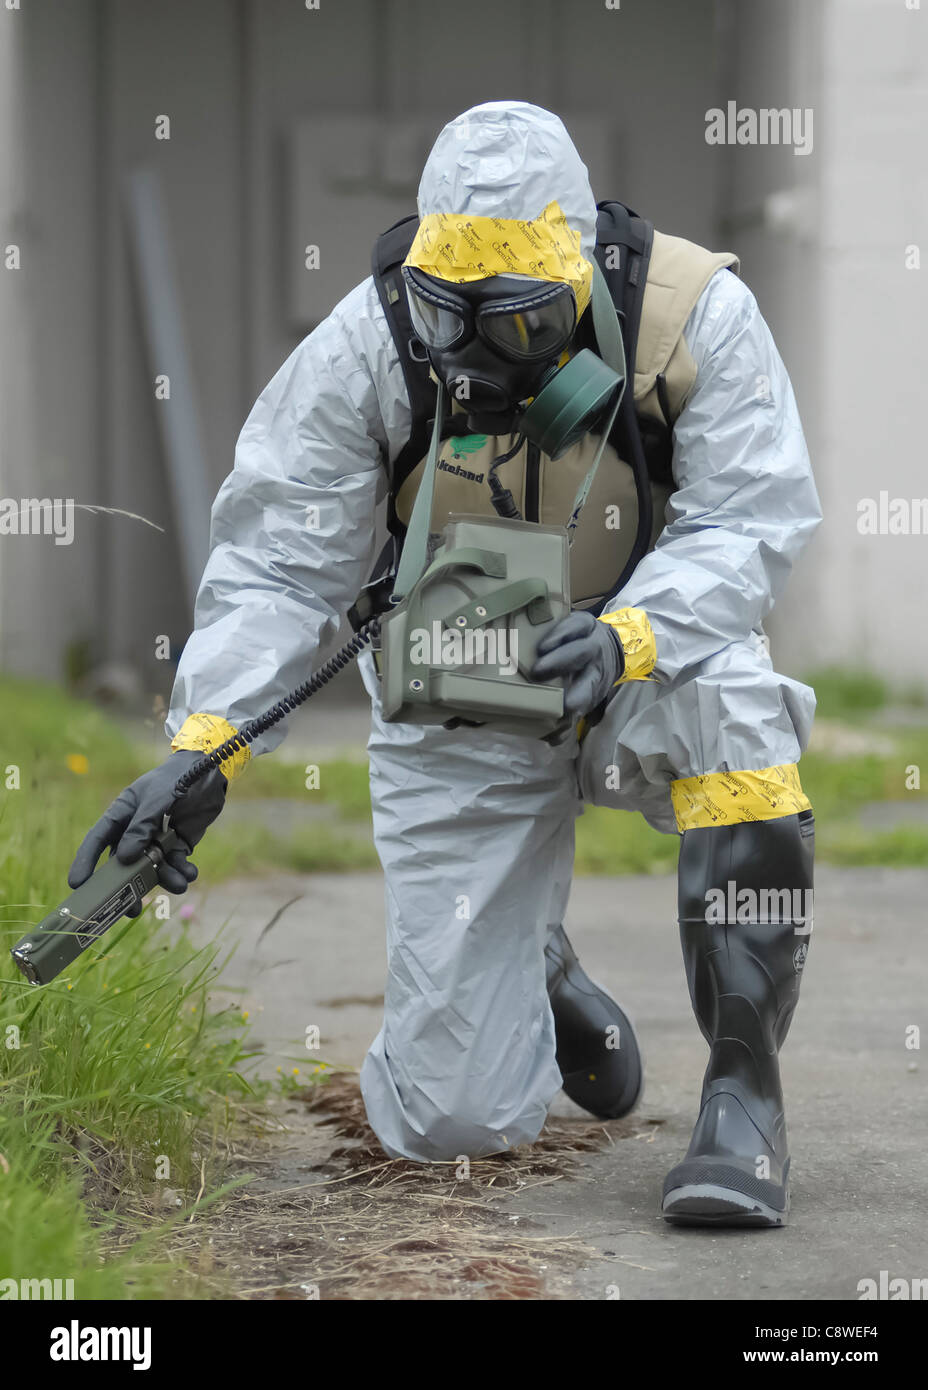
{"x":497,"y":344}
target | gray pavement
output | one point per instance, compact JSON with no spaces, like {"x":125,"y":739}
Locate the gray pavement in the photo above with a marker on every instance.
{"x":857,"y":1101}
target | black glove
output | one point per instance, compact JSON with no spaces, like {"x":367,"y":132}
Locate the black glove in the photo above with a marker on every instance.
{"x":136,"y":817}
{"x":588,"y":653}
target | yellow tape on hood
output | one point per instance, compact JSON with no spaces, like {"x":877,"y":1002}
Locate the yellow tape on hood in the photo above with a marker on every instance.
{"x":459,"y":249}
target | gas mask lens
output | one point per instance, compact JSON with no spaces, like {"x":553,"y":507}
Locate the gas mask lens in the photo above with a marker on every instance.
{"x":436,"y":318}
{"x":522,"y":325}
{"x":531,"y":333}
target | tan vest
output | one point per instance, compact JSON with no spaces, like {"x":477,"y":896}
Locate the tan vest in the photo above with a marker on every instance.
{"x":544,"y":489}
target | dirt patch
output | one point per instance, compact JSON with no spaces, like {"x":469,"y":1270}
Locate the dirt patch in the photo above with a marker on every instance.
{"x":330,"y":1217}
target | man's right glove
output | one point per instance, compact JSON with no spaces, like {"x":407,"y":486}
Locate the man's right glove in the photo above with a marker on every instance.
{"x":588,"y":653}
{"x":130,"y":824}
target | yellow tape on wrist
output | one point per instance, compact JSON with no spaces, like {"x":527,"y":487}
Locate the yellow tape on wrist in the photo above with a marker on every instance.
{"x":731,"y":798}
{"x":638,"y":642}
{"x":204,"y":732}
{"x":460,"y":249}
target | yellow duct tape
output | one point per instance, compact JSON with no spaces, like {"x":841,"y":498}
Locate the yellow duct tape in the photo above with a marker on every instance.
{"x":204,"y":732}
{"x":638,"y":643}
{"x":460,"y":249}
{"x":731,"y":798}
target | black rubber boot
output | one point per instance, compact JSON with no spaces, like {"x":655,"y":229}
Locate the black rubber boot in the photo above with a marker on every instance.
{"x":743,"y":978}
{"x":597,"y":1050}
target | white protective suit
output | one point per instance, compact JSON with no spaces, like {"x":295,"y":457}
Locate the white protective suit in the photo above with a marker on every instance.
{"x":474,"y":830}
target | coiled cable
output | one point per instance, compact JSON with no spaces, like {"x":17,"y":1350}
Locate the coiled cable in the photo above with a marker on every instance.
{"x":255,"y":727}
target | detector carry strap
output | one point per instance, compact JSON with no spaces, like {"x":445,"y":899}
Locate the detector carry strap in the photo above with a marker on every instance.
{"x":612,"y":350}
{"x":416,"y":545}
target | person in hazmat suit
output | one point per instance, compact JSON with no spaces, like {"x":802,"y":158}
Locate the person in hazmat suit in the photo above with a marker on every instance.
{"x":680,"y":714}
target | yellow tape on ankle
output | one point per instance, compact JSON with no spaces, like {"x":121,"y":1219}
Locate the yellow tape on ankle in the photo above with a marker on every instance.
{"x":730,"y":798}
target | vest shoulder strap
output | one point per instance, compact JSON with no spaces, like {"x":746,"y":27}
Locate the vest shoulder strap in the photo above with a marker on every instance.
{"x":678,"y":272}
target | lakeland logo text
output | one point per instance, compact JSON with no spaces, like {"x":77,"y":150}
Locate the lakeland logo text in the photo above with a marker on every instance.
{"x":460,"y":472}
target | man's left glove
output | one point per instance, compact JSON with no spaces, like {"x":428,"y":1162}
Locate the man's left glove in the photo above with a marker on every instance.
{"x":588,"y":653}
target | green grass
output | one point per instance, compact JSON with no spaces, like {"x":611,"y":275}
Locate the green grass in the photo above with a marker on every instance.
{"x":844,"y":694}
{"x":617,"y":844}
{"x":115,"y":1093}
{"x":342,"y":784}
{"x":608,"y":843}
{"x":339,"y":843}
{"x":903,"y":847}
{"x":314,"y":848}
{"x":120,"y":1064}
{"x":116,"y":1081}
{"x":838,"y":789}
{"x":612,"y":842}
{"x":118,"y":1071}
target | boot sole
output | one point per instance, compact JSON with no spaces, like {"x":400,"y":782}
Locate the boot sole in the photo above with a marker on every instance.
{"x":706,"y":1204}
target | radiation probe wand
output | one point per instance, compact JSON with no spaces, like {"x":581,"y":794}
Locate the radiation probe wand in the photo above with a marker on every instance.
{"x":112,"y":891}
{"x":115,"y":889}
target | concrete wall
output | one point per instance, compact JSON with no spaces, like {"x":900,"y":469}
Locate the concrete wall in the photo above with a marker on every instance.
{"x":240,"y":79}
{"x":824,"y":240}
{"x":771,"y":217}
{"x":874,"y":310}
{"x":51,"y":391}
{"x":236,"y":79}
